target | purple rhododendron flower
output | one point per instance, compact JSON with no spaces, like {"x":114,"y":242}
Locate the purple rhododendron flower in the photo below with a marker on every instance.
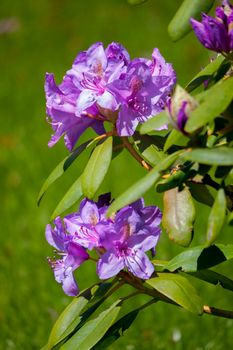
{"x":216,"y":33}
{"x":120,"y":241}
{"x":134,"y":231}
{"x":104,"y":85}
{"x":72,"y":256}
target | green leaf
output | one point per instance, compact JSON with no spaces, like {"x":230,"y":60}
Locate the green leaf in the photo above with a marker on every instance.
{"x":138,"y":189}
{"x":214,"y":278}
{"x":216,"y":217}
{"x":179,"y":216}
{"x":152,"y":155}
{"x":230,"y":219}
{"x":178,"y":289}
{"x":216,"y":100}
{"x":93,"y":330}
{"x":136,"y":2}
{"x":179,"y":25}
{"x":68,"y":319}
{"x":116,"y":330}
{"x":205,"y":73}
{"x":154,"y":123}
{"x":61,"y":168}
{"x":71,"y":197}
{"x":200,"y":257}
{"x":201,"y":193}
{"x":174,"y":180}
{"x":97,"y":168}
{"x":214,"y":156}
{"x":174,"y":138}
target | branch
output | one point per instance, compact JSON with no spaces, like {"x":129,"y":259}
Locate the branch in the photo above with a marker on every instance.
{"x":132,"y":151}
{"x":217,"y":312}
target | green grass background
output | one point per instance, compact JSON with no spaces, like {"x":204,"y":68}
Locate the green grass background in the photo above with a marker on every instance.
{"x":50,"y":33}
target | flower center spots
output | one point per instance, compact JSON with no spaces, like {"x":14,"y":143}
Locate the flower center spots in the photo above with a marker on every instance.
{"x":92,"y":83}
{"x":122,"y":249}
{"x":139,"y":106}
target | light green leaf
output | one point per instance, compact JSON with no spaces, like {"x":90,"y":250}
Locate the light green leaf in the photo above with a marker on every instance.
{"x":136,"y":2}
{"x":216,"y":217}
{"x":214,"y":156}
{"x":138,"y":189}
{"x":154,"y":123}
{"x":179,"y":25}
{"x":205,"y":73}
{"x":97,"y":168}
{"x":93,"y":330}
{"x":200,"y":257}
{"x":61,"y":168}
{"x":178,"y":289}
{"x":152,"y":155}
{"x":175,"y":138}
{"x":216,"y":100}
{"x":71,"y":197}
{"x":179,"y":216}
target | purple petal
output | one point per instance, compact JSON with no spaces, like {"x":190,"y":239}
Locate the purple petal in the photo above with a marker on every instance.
{"x":85,"y":100}
{"x":89,"y":212}
{"x":76,"y":255}
{"x":108,"y":101}
{"x":144,"y":242}
{"x":182,"y":116}
{"x":139,"y":264}
{"x":109,"y":265}
{"x":126,"y":121}
{"x":70,"y":286}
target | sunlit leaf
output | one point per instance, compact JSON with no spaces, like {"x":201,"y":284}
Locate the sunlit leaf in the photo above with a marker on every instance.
{"x":97,"y":168}
{"x":154,"y":123}
{"x":138,"y":189}
{"x":61,"y":168}
{"x":71,"y":197}
{"x":179,"y":216}
{"x":200,"y":257}
{"x":214,"y":156}
{"x":180,"y":25}
{"x":178,"y":289}
{"x":216,"y":100}
{"x":174,"y":138}
{"x":93,"y":330}
{"x":216,"y":217}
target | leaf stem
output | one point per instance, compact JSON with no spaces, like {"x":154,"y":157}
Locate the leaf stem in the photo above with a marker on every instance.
{"x":217,"y":312}
{"x":134,"y":153}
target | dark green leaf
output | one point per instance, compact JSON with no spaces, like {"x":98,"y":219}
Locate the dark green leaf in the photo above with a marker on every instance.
{"x":200,"y":257}
{"x":178,"y":289}
{"x":71,"y":197}
{"x":154,"y":123}
{"x":175,"y":138}
{"x":205,"y":73}
{"x":214,"y":278}
{"x":216,"y":100}
{"x":138,"y":189}
{"x":61,"y":168}
{"x":93,"y":330}
{"x":216,"y":217}
{"x":179,"y":216}
{"x":201,"y":193}
{"x":214,"y":156}
{"x":136,"y":2}
{"x":97,"y":168}
{"x":230,"y":219}
{"x":174,"y":180}
{"x":179,"y":26}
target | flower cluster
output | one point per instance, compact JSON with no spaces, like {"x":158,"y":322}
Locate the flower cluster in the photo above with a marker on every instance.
{"x":105,"y":85}
{"x":120,"y":241}
{"x":216,"y":33}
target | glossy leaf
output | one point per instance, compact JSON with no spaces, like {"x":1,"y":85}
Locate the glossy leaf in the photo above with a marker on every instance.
{"x":205,"y":73}
{"x":61,"y":168}
{"x":214,"y":278}
{"x":68,"y":319}
{"x":93,"y":330}
{"x":200,"y":257}
{"x":138,"y":189}
{"x":175,"y":138}
{"x":178,"y":289}
{"x":180,"y":25}
{"x":179,"y":216}
{"x":71,"y":197}
{"x":216,"y":100}
{"x":97,"y":168}
{"x":154,"y":123}
{"x":214,"y":156}
{"x":216,"y":217}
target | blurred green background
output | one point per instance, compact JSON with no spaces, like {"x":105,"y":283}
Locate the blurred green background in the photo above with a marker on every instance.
{"x":45,"y":36}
